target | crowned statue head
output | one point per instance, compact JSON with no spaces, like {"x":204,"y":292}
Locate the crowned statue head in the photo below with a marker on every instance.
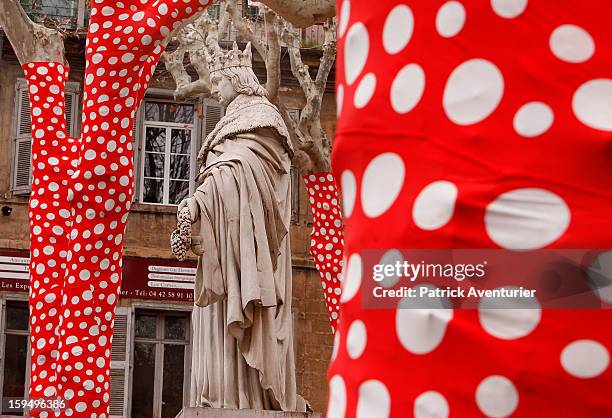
{"x":231,"y":74}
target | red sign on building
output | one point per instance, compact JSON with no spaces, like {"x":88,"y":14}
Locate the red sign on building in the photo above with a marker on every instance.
{"x":143,"y":278}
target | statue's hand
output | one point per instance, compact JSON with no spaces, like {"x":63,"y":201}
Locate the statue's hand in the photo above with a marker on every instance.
{"x":192,"y":204}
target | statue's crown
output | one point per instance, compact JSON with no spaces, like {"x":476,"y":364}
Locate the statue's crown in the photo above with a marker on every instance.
{"x":232,"y":58}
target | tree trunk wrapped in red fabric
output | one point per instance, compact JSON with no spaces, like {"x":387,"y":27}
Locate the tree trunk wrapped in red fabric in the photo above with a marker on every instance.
{"x":82,"y":194}
{"x":472,"y":124}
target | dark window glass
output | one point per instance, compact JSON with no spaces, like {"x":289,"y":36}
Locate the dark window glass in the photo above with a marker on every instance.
{"x":17,"y":317}
{"x":181,"y":141}
{"x":146,"y":326}
{"x":168,"y":112}
{"x":179,"y":190}
{"x":155,"y":139}
{"x":163,"y":351}
{"x":16,"y":351}
{"x":174,"y":370}
{"x":144,"y":380}
{"x":179,"y":167}
{"x":154,"y":165}
{"x":153,"y":191}
{"x":175,"y":327}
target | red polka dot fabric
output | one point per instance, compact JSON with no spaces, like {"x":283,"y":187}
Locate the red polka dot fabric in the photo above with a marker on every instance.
{"x":81,"y":196}
{"x":472,"y":124}
{"x":327,"y":242}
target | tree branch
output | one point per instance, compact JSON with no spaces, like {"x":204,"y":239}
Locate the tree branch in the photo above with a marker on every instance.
{"x":303,"y":13}
{"x":273,"y":56}
{"x":244,"y":28}
{"x":329,"y":55}
{"x":31,"y":41}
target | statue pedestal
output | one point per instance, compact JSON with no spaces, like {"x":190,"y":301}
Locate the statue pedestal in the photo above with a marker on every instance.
{"x":242,"y":413}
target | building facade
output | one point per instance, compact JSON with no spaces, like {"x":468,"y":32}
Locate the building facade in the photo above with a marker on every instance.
{"x":151,"y":353}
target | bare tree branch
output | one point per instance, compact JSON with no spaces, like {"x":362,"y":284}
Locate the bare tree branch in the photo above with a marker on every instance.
{"x":243,"y":27}
{"x":31,"y":41}
{"x":273,"y":56}
{"x":298,"y":68}
{"x":312,"y":137}
{"x":329,"y":54}
{"x":309,"y":140}
{"x":303,"y":13}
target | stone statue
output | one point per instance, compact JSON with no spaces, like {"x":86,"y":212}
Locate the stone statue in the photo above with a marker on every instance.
{"x":243,"y":333}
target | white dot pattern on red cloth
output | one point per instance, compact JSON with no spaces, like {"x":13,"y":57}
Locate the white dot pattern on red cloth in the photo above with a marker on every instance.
{"x":489,"y":126}
{"x":81,"y":197}
{"x":327,"y":238}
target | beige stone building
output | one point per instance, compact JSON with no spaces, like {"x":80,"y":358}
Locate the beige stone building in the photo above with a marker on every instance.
{"x":151,"y":348}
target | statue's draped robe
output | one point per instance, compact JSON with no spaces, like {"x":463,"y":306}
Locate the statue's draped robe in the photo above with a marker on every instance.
{"x":242,"y":343}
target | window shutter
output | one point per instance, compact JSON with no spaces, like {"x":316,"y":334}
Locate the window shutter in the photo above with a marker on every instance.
{"x":136,"y":152}
{"x":213,"y":113}
{"x":22,"y":164}
{"x":294,"y":114}
{"x":72,"y":110}
{"x":121,"y":363}
{"x":2,"y":307}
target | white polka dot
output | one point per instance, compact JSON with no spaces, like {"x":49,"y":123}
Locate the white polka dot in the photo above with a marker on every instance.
{"x":509,"y":318}
{"x":585,"y":359}
{"x":365,"y":91}
{"x":391,"y":257}
{"x":349,"y":192}
{"x":398,"y":29}
{"x":571,"y":43}
{"x":421,"y":322}
{"x":526,"y":219}
{"x":431,"y":404}
{"x":435,"y":205}
{"x":382,"y":182}
{"x":497,"y":397}
{"x":473,"y":91}
{"x":337,"y":398}
{"x":344,"y":16}
{"x":374,"y":400}
{"x":407,"y":88}
{"x":352,"y":278}
{"x":356,"y":339}
{"x":339,"y":99}
{"x":108,"y":11}
{"x":533,"y":119}
{"x":336,"y":345}
{"x":450,"y":19}
{"x":509,"y":9}
{"x":600,"y":276}
{"x":592,"y":104}
{"x":356,"y":49}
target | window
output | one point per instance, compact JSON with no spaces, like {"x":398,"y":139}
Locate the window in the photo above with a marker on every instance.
{"x":14,"y":364}
{"x":22,"y":162}
{"x":157,"y":381}
{"x":168,"y":138}
{"x":161,"y":364}
{"x":62,"y":12}
{"x":250,"y":10}
{"x":214,"y":10}
{"x":168,"y":152}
